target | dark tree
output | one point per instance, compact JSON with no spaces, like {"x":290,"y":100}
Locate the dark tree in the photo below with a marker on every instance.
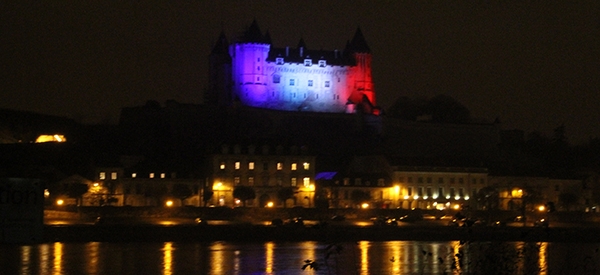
{"x":488,"y":198}
{"x":284,"y":194}
{"x":445,"y":109}
{"x":181,"y":191}
{"x":76,"y":190}
{"x":207,"y":195}
{"x":568,"y":199}
{"x":244,"y":193}
{"x":360,"y":196}
{"x":156,"y":192}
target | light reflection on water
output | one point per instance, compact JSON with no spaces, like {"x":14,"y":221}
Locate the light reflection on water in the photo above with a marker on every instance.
{"x":364,"y":258}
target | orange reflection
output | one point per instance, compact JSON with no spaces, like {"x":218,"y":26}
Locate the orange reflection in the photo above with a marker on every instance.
{"x":364,"y":257}
{"x":57,"y":262}
{"x":92,"y":254}
{"x":168,"y":258}
{"x":269,"y":257}
{"x":543,"y":265}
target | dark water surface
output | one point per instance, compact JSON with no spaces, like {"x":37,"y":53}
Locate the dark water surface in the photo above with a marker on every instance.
{"x":365,"y":257}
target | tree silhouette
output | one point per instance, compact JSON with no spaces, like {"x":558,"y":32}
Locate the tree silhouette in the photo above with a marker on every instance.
{"x":567,"y":199}
{"x":76,"y":190}
{"x":359,"y":196}
{"x":181,"y":191}
{"x":284,"y":194}
{"x":244,"y":193}
{"x":207,"y":195}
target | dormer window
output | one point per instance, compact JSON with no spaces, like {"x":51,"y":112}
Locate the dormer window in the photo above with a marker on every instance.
{"x":322,"y":63}
{"x":307,"y":62}
{"x":279,"y":61}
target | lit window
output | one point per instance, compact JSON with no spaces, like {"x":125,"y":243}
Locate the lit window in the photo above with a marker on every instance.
{"x":292,"y":82}
{"x":251,"y":165}
{"x":279,"y":166}
{"x":237,"y":165}
{"x":162,"y":175}
{"x":113,"y":175}
{"x":306,"y":165}
{"x":307,"y":62}
{"x":279,"y":61}
{"x":322,"y":63}
{"x":327,"y":84}
{"x":102,"y":175}
{"x":294,"y":166}
{"x":310,"y":83}
{"x":222,"y":165}
{"x":151,"y":175}
{"x":133,"y":175}
{"x":306,"y":181}
{"x":250,"y":181}
{"x":293,"y":182}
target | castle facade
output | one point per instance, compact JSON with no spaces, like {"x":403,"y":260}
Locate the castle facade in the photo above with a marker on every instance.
{"x":250,"y":70}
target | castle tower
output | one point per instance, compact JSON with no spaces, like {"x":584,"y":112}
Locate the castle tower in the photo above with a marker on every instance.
{"x":219,"y":74}
{"x":362,"y":82}
{"x":249,"y":73}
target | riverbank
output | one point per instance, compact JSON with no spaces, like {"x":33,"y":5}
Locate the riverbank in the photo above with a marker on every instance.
{"x":261,"y":233}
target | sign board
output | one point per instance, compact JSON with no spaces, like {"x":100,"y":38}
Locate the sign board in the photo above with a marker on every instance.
{"x":21,"y":210}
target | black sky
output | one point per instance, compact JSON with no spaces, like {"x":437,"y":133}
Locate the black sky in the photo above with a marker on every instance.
{"x":534,"y":65}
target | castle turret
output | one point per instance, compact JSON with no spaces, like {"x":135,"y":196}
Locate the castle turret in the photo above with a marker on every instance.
{"x":249,"y":75}
{"x":219,"y":69}
{"x":363,"y":81}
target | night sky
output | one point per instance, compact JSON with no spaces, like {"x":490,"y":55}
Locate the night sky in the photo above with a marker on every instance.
{"x":534,"y":66}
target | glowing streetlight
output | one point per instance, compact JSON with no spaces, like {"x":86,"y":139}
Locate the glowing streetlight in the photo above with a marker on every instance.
{"x":169,"y":203}
{"x":542,"y":208}
{"x":60,"y":202}
{"x":365,"y":205}
{"x":270,"y":204}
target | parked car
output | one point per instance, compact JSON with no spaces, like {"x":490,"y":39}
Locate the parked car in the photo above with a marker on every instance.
{"x":541,"y":223}
{"x":384,"y":221}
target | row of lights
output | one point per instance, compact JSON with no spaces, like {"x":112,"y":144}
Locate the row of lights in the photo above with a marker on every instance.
{"x":435,"y":197}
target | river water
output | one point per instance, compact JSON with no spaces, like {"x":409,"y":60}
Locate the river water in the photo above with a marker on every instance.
{"x":364,"y":257}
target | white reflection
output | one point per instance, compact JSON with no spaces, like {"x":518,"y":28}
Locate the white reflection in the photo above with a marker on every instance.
{"x":168,"y":258}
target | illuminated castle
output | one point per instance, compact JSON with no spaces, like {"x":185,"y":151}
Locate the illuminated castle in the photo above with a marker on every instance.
{"x":254,"y":73}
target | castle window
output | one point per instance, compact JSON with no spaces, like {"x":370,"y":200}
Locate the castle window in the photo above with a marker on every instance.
{"x":276,"y":78}
{"x":293,"y":182}
{"x":258,"y":79}
{"x":133,"y":175}
{"x":327,"y":84}
{"x":357,"y":181}
{"x":322,"y":63}
{"x":307,"y":62}
{"x":292,"y":82}
{"x":102,"y":176}
{"x":306,"y":165}
{"x":162,"y":175}
{"x":294,"y":166}
{"x":222,"y":165}
{"x":280,"y":166}
{"x":258,"y":68}
{"x":237,"y":165}
{"x":258,"y":59}
{"x":113,"y":175}
{"x":310,"y":83}
{"x":279,"y":61}
{"x":380,"y":182}
{"x":251,"y":165}
{"x":151,"y":175}
{"x":236,"y":181}
{"x":250,"y":181}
